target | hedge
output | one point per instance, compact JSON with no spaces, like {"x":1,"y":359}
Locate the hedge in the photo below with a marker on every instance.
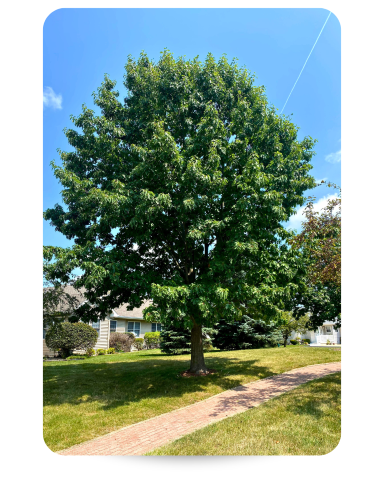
{"x":66,"y":337}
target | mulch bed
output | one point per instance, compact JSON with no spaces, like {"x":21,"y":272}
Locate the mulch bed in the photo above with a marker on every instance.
{"x":187,"y":373}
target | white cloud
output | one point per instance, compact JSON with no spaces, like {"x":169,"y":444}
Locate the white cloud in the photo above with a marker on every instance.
{"x":51,"y":99}
{"x":294,"y":222}
{"x":333,"y":157}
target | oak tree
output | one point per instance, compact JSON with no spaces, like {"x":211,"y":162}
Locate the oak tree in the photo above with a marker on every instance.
{"x":178,"y":194}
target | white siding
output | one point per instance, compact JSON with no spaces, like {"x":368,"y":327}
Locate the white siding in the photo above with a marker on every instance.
{"x":121,"y":326}
{"x":145,"y":327}
{"x":47,"y":352}
{"x":103,"y":341}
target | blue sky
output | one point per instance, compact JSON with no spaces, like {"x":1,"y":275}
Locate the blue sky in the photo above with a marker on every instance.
{"x":80,"y":45}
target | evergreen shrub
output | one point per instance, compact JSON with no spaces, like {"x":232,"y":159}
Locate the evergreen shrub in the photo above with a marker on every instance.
{"x":176,"y":340}
{"x":246,"y":333}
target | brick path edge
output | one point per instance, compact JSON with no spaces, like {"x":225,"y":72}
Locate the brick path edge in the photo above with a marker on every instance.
{"x":147,"y":435}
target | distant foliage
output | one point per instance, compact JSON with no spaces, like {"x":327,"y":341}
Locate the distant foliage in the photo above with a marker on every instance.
{"x":319,"y":245}
{"x":246,"y":333}
{"x":67,"y":337}
{"x":152,"y":339}
{"x":138,"y":343}
{"x":177,"y":340}
{"x":289,"y":324}
{"x":121,"y":342}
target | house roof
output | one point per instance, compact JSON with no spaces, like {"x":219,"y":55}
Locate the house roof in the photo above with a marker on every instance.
{"x":120,"y":311}
{"x":68,"y":289}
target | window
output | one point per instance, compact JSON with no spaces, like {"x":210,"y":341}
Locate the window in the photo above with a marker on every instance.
{"x":112,"y":326}
{"x":134,"y":327}
{"x":156,"y":327}
{"x":96,"y":326}
{"x":328,"y":330}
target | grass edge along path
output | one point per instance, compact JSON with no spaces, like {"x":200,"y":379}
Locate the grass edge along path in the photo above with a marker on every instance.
{"x":146,"y":436}
{"x":303,"y":421}
{"x":86,"y":399}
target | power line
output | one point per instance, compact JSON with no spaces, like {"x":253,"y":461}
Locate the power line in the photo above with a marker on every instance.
{"x":306,"y":61}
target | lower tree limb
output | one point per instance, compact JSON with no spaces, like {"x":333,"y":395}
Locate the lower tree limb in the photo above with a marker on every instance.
{"x":197,"y":354}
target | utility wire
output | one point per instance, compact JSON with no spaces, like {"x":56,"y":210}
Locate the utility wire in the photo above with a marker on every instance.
{"x":306,"y":61}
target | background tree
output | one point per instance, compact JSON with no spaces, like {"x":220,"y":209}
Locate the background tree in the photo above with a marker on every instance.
{"x":288,"y":324}
{"x":179,"y":193}
{"x":58,"y":303}
{"x":319,"y":243}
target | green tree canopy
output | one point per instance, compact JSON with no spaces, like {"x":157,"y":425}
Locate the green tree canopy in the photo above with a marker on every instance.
{"x":178,"y":194}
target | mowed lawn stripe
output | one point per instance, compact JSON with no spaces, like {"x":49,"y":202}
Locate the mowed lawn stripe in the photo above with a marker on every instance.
{"x":85,"y":399}
{"x":304,"y":421}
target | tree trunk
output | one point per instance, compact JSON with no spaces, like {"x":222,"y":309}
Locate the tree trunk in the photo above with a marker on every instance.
{"x":285,"y":341}
{"x":197,"y":354}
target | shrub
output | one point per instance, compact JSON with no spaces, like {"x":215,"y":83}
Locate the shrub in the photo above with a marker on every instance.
{"x":138,"y":343}
{"x":328,"y":342}
{"x":246,"y":333}
{"x":306,"y":341}
{"x":110,"y":351}
{"x":293,"y":342}
{"x":101,"y":351}
{"x":66,"y":337}
{"x":90,"y":352}
{"x":175,"y":340}
{"x":76,"y":357}
{"x":152,"y":339}
{"x":121,"y":342}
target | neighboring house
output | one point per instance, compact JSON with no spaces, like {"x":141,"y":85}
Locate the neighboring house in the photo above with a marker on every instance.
{"x":119,"y":320}
{"x":319,"y":337}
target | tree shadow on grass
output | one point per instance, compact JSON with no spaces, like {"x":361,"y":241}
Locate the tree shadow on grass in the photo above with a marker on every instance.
{"x":123,"y":383}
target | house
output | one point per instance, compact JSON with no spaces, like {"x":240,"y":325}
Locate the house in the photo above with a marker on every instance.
{"x":326,"y":332}
{"x":119,"y":320}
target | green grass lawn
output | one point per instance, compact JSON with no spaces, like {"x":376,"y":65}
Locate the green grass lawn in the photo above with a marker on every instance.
{"x":84,"y":399}
{"x":305,"y":421}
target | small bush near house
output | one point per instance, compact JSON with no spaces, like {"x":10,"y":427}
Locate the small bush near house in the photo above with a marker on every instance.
{"x":138,"y":343}
{"x":152,"y":339}
{"x":293,"y":341}
{"x":306,"y":341}
{"x":66,"y":337}
{"x":121,"y":342}
{"x":110,"y":351}
{"x":328,"y":342}
{"x":101,"y":351}
{"x":76,"y":357}
{"x":90,"y":352}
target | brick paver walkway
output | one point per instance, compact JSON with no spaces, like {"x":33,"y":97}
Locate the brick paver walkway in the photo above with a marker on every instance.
{"x":145,"y":436}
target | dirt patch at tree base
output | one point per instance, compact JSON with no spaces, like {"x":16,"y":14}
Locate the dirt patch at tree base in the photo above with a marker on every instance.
{"x":187,"y":373}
